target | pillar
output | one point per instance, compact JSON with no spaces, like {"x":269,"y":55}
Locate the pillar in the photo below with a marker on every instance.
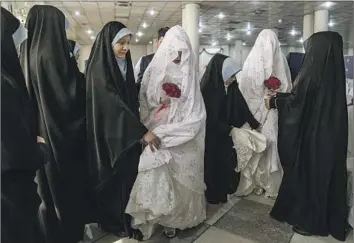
{"x":238,"y":51}
{"x":191,"y":22}
{"x":184,"y":17}
{"x":321,"y":20}
{"x":308,"y":24}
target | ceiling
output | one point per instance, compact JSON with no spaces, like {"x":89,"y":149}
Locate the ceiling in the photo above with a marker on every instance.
{"x":88,"y":17}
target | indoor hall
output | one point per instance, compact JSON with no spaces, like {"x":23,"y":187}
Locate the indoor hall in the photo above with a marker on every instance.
{"x":229,"y":28}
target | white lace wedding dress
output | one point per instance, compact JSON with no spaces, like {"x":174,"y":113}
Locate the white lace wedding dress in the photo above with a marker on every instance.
{"x":169,"y":189}
{"x":265,"y":60}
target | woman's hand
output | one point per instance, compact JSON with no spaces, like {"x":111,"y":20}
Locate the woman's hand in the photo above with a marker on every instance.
{"x":152,"y":140}
{"x":40,"y":139}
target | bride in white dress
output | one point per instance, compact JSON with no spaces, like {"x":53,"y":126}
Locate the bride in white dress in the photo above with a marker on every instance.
{"x":264,"y":172}
{"x":169,"y":189}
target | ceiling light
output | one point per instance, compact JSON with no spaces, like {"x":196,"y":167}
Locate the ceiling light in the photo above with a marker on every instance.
{"x":293,"y":32}
{"x":221,"y":16}
{"x":328,"y":4}
{"x":92,"y":37}
{"x":301,"y":40}
{"x":248,"y":32}
{"x":144,"y":25}
{"x":139,"y":34}
{"x":150,"y":42}
{"x":279,"y":21}
{"x":152,"y":12}
{"x":244,"y":43}
{"x":200,"y":30}
{"x":330,"y":24}
{"x":228,"y":37}
{"x":77,"y":13}
{"x":213,"y":43}
{"x":136,"y":40}
{"x":89,"y":31}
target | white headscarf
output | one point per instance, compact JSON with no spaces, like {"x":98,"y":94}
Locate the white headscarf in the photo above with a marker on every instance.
{"x":19,"y":36}
{"x":186,"y":116}
{"x":265,"y":60}
{"x":229,"y":68}
{"x":122,"y":63}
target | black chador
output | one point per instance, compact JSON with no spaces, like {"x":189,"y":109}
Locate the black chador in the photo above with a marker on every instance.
{"x":312,"y":142}
{"x":226,"y":108}
{"x":21,"y":156}
{"x":113,"y":131}
{"x":59,"y":103}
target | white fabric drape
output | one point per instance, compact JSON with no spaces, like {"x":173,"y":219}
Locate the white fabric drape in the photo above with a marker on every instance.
{"x":169,"y":189}
{"x":265,"y":60}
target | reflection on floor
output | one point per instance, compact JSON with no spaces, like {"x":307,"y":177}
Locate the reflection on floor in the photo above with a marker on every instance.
{"x":239,"y":221}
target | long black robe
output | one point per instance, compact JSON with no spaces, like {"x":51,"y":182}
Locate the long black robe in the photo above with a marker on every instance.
{"x":21,"y":156}
{"x":54,"y":91}
{"x":312,"y":142}
{"x":224,"y":110}
{"x":113,"y":131}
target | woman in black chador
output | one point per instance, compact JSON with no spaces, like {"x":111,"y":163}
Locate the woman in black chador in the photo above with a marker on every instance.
{"x":313,"y":137}
{"x":114,"y":130}
{"x":59,"y":103}
{"x":21,"y":157}
{"x":226,"y":108}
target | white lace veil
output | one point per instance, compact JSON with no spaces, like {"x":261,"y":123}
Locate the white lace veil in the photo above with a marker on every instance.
{"x":188,"y":110}
{"x":182,"y":132}
{"x":265,"y":60}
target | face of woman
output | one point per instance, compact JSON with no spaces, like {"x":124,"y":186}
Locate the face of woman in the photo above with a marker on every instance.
{"x":121,"y":48}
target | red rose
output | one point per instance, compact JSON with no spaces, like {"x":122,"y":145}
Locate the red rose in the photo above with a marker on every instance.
{"x":171,"y":90}
{"x":272,"y":83}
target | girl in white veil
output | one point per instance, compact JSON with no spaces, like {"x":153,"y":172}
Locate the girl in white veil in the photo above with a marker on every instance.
{"x":169,"y":189}
{"x":264,"y":61}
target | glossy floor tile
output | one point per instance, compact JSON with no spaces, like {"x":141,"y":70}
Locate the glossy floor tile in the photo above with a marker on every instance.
{"x":243,"y":220}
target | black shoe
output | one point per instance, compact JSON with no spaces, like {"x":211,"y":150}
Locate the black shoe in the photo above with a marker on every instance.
{"x":300,"y":231}
{"x":137,"y":235}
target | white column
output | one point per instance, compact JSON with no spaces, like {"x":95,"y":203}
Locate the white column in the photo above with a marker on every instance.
{"x":191,"y":22}
{"x":321,"y":20}
{"x":307,"y":29}
{"x":154,"y":45}
{"x":238,"y":51}
{"x":184,"y":17}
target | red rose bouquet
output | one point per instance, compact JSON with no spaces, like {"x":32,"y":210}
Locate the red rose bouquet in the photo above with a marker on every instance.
{"x":272,"y":83}
{"x":170,"y":90}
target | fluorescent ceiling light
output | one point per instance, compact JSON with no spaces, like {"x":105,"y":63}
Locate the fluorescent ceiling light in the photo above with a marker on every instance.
{"x":77,"y":13}
{"x":139,"y":34}
{"x":89,"y":31}
{"x":144,"y":25}
{"x":221,"y":16}
{"x":152,"y":12}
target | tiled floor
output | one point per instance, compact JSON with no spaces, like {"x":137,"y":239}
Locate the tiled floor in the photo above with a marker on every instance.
{"x":239,"y":221}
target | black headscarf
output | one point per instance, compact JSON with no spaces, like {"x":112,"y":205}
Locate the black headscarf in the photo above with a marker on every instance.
{"x":18,"y":131}
{"x":312,"y":141}
{"x":113,"y":124}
